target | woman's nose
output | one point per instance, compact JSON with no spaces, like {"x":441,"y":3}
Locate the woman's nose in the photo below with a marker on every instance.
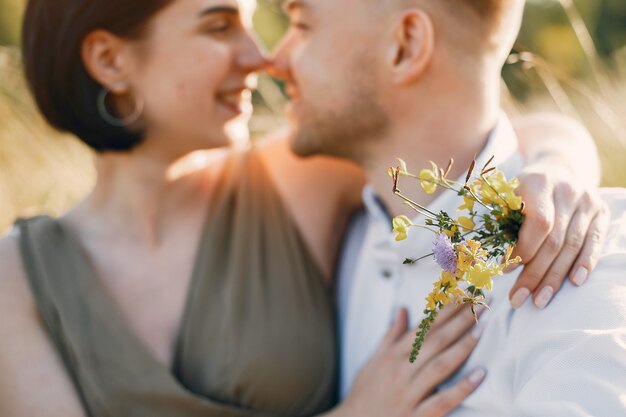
{"x":253,"y":59}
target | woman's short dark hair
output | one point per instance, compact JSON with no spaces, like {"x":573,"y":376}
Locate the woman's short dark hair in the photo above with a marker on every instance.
{"x":65,"y":93}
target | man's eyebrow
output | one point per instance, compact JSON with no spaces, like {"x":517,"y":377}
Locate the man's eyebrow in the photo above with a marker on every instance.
{"x":219,"y":9}
{"x":291,"y":5}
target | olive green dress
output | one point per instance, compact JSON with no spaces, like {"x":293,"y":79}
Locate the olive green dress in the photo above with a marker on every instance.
{"x":257,"y":335}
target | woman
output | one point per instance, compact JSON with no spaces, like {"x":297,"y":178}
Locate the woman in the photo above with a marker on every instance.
{"x":179,"y":288}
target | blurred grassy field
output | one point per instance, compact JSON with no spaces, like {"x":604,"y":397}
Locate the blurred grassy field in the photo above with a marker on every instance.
{"x":577,"y":66}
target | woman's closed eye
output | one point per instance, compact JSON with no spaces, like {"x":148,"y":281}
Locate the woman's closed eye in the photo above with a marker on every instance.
{"x":219,"y":26}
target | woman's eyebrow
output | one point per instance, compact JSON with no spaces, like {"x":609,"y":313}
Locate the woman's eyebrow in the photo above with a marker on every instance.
{"x":219,"y":9}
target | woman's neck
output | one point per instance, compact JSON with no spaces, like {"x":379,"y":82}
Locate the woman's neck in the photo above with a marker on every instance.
{"x":141,"y":195}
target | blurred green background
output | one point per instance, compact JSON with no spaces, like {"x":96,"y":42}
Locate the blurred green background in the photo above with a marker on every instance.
{"x":570,"y":57}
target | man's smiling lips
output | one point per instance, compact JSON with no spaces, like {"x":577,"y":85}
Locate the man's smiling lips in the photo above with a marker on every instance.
{"x":294,"y":100}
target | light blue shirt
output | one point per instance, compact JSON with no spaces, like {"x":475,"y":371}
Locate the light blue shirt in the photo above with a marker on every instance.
{"x":539,"y":363}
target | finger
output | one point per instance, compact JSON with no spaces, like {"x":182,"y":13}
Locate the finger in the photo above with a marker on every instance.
{"x":443,"y":402}
{"x":446,"y":313}
{"x":539,"y":212}
{"x":397,"y":329}
{"x":448,"y":330}
{"x":590,"y":253}
{"x":442,"y":366}
{"x":579,"y":227}
{"x":535,"y":270}
{"x":442,"y":337}
{"x":559,"y":269}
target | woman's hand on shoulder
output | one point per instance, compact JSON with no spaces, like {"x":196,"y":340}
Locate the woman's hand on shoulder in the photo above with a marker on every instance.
{"x":33,"y":381}
{"x":562,"y":236}
{"x":566,"y":221}
{"x":388,"y":385}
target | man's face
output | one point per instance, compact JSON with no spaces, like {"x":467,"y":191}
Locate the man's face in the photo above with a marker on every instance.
{"x":329,"y":60}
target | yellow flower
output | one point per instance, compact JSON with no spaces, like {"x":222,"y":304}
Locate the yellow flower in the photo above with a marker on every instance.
{"x":443,"y":298}
{"x":514,"y":201}
{"x":508,"y":261}
{"x":457,"y":293}
{"x":466,"y":223}
{"x":450,"y":233}
{"x":464,"y":262}
{"x":472,"y":248}
{"x":497,"y":190}
{"x":480,"y":276}
{"x":447,"y":278}
{"x":430,"y":302}
{"x":428,"y":181}
{"x":401,"y":225}
{"x":468,"y":204}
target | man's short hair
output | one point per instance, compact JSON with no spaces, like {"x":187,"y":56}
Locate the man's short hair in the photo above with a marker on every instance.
{"x":477,"y":25}
{"x":488,"y":10}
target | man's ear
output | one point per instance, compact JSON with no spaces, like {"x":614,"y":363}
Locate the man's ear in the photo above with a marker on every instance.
{"x":412,"y":46}
{"x":103,"y":55}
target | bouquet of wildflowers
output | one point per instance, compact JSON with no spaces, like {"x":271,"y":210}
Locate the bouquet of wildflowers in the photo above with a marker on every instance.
{"x":471,"y":249}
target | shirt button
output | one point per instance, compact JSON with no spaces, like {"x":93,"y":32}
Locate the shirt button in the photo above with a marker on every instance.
{"x":387,"y":273}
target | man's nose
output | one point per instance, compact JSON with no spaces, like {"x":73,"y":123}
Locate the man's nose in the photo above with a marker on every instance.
{"x":279,"y":61}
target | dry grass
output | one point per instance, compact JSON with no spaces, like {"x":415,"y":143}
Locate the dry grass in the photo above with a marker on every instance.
{"x":41,"y":170}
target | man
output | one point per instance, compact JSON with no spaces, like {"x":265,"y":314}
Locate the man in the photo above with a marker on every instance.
{"x":420,"y":79}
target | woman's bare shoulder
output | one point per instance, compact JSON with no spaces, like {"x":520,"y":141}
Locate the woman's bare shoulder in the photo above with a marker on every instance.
{"x":33,"y":380}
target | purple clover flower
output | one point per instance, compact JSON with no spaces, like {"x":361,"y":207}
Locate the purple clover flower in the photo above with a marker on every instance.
{"x":444,"y":253}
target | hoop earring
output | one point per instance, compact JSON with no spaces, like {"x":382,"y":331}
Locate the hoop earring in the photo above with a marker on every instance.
{"x":116,"y":121}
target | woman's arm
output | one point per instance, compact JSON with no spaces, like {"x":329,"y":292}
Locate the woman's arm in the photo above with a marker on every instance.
{"x":33,"y":381}
{"x":565,"y":220}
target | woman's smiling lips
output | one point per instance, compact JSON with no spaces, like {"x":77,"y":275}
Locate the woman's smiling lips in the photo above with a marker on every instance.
{"x":234,"y":99}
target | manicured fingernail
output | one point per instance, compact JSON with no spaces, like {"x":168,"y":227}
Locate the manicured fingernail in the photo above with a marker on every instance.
{"x":580,"y":276}
{"x":477,"y":376}
{"x":519,"y":297}
{"x":477,"y":331}
{"x":544,"y":297}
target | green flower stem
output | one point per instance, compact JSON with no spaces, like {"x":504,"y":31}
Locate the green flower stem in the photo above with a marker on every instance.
{"x":423,"y":328}
{"x":416,"y":206}
{"x":421,"y":226}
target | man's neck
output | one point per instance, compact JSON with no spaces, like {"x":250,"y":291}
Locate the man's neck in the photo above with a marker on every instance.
{"x":460,"y":132}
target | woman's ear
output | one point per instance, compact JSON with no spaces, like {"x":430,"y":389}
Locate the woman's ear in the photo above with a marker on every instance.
{"x":412,"y":46}
{"x":103,"y":56}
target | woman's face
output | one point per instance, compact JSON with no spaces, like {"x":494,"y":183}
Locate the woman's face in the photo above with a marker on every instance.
{"x":193,"y":70}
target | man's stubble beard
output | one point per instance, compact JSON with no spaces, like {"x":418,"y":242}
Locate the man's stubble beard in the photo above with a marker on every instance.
{"x":348,"y":132}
